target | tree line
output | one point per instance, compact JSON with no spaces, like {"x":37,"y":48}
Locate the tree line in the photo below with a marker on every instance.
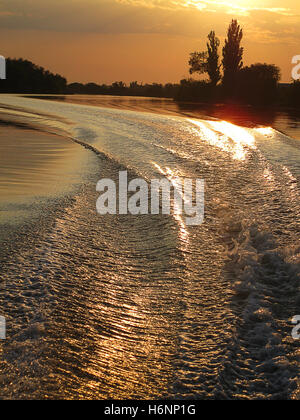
{"x":22,"y":76}
{"x":227,"y":79}
{"x":158,"y":90}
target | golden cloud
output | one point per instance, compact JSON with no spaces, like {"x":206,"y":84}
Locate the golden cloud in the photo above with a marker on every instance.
{"x":208,"y":5}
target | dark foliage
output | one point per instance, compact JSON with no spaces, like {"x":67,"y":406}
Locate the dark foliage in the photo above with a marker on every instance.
{"x":213,"y":67}
{"x":196,"y":91}
{"x":121,"y":89}
{"x":290,"y":94}
{"x":207,"y":61}
{"x":22,"y":76}
{"x":232,"y":56}
{"x":257,"y":84}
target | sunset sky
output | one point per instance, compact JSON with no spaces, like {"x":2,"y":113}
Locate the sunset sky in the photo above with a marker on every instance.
{"x":144,"y":40}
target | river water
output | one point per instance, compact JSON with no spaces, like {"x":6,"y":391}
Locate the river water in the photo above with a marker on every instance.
{"x":146,"y":306}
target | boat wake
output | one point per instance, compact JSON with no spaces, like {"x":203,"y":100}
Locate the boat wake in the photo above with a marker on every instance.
{"x":144,"y":306}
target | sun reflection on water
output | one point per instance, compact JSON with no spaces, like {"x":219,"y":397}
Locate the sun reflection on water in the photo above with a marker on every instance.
{"x":265,"y":131}
{"x":174,"y":179}
{"x":227,"y":137}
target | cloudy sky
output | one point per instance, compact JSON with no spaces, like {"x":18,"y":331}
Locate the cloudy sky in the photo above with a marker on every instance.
{"x":143,"y":40}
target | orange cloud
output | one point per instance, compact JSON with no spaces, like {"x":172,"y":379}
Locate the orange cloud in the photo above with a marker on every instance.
{"x":209,"y":5}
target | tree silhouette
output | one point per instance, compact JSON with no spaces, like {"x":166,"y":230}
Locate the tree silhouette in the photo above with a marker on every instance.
{"x":198,"y":62}
{"x":232,"y":56}
{"x":213,"y":67}
{"x":207,"y":61}
{"x":25,"y":77}
{"x":257,"y":84}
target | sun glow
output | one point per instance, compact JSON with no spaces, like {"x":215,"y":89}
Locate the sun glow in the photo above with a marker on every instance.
{"x":265,"y":131}
{"x":240,"y":7}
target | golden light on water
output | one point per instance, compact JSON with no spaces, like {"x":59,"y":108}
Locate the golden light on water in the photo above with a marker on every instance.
{"x":227,"y":137}
{"x":125,"y":307}
{"x":173,"y":178}
{"x":265,"y":131}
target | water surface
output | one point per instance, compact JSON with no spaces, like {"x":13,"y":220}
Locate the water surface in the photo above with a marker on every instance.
{"x":147,"y":307}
